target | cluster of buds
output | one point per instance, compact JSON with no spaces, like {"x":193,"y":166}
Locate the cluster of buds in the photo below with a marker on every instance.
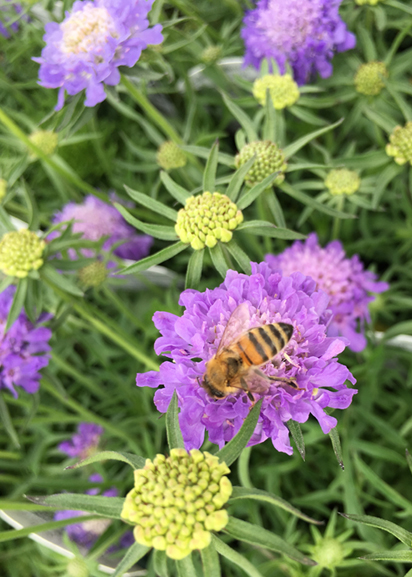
{"x":400,"y":145}
{"x":46,"y":140}
{"x":342,"y":181}
{"x":170,"y":156}
{"x":211,"y":54}
{"x":93,"y":275}
{"x":269,"y":159}
{"x":177,"y":501}
{"x":207,"y":218}
{"x":20,"y":252}
{"x":283,"y":90}
{"x":370,"y":78}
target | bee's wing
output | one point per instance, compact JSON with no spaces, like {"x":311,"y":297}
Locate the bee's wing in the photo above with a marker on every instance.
{"x":237,"y":324}
{"x":257,"y":382}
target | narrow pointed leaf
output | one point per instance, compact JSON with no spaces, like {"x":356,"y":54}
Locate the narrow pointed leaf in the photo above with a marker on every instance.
{"x":264,"y":228}
{"x":156,"y":258}
{"x":218,"y":259}
{"x":60,"y":281}
{"x":18,"y":302}
{"x":156,"y":230}
{"x":309,"y":201}
{"x":297,"y":435}
{"x":232,"y":450}
{"x":242,"y":118}
{"x":235,"y":557}
{"x":269,"y":127}
{"x":194,"y":269}
{"x":185,"y":567}
{"x":133,"y":555}
{"x":395,"y":556}
{"x":104,"y":506}
{"x":398,"y":532}
{"x":210,"y":561}
{"x":237,"y":179}
{"x":275,"y":208}
{"x":204,"y":152}
{"x":51,"y":525}
{"x":240,"y":256}
{"x":7,"y":423}
{"x":301,"y":142}
{"x":174,"y":434}
{"x":160,"y":563}
{"x":303,"y":114}
{"x":252,"y":194}
{"x":149,"y":202}
{"x":209,"y":175}
{"x":337,"y":448}
{"x":5,"y":223}
{"x":134,"y":461}
{"x":177,"y":191}
{"x":6,"y":282}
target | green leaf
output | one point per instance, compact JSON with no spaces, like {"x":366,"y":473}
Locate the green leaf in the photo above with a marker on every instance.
{"x":304,"y":114}
{"x":160,"y":563}
{"x":241,"y":117}
{"x":6,"y":282}
{"x":210,"y":561}
{"x":260,"y":537}
{"x":177,"y":191}
{"x":104,"y":506}
{"x":408,"y":459}
{"x":149,"y":202}
{"x":269,"y":127}
{"x":7,"y":423}
{"x":251,"y":195}
{"x":301,"y":142}
{"x":385,"y":177}
{"x":194,"y":269}
{"x":134,"y":461}
{"x":209,"y":175}
{"x":264,"y":228}
{"x":203,"y":152}
{"x":156,"y":230}
{"x":309,"y":201}
{"x":396,"y":556}
{"x":297,"y":435}
{"x":235,"y":557}
{"x":240,"y":256}
{"x":156,"y":258}
{"x":399,"y":6}
{"x":185,"y":567}
{"x":18,"y":302}
{"x":133,"y":555}
{"x":337,"y":448}
{"x":263,"y":496}
{"x":33,"y":216}
{"x":51,"y":525}
{"x":232,"y":450}
{"x":60,"y":281}
{"x":174,"y":434}
{"x":218,"y":259}
{"x":237,"y":179}
{"x":275,"y":208}
{"x":398,"y":532}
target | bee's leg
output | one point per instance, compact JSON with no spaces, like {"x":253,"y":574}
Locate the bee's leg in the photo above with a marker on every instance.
{"x":287,"y":380}
{"x":244,"y":386}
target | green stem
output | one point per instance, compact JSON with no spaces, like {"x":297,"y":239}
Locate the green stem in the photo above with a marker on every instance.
{"x":69,"y":369}
{"x":338,"y":221}
{"x":124,"y":309}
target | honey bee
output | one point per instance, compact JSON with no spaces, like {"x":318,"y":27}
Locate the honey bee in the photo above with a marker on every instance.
{"x":240,"y":352}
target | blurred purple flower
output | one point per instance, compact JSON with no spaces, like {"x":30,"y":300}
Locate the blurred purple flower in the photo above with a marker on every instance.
{"x":344,"y":280}
{"x":8,"y":13}
{"x":96,"y":219}
{"x":191,"y":340}
{"x":87,"y":48}
{"x":21,"y":348}
{"x":302,"y":33}
{"x":88,"y":532}
{"x":84,"y":442}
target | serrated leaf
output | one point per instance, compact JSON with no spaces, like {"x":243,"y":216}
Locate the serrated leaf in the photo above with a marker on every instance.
{"x":62,"y":282}
{"x":309,"y":201}
{"x":209,"y":175}
{"x":402,"y":534}
{"x":177,"y":191}
{"x":251,"y":195}
{"x":174,"y":434}
{"x":135,"y":461}
{"x":156,"y":230}
{"x":337,"y":448}
{"x":132,"y":556}
{"x":297,"y":435}
{"x":231,"y":451}
{"x":210,"y":561}
{"x":237,"y":179}
{"x":194,"y":269}
{"x":18,"y":302}
{"x":304,"y":140}
{"x":235,"y":557}
{"x":241,"y":117}
{"x":264,"y":228}
{"x":104,"y":506}
{"x":156,"y":258}
{"x":218,"y":259}
{"x":240,"y":256}
{"x":149,"y":202}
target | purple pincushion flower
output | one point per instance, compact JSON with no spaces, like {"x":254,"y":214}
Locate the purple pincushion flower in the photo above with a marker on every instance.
{"x":302,"y":33}
{"x":87,"y":48}
{"x":191,"y":340}
{"x":344,"y":280}
{"x":21,"y":348}
{"x":84,"y":442}
{"x":96,"y":219}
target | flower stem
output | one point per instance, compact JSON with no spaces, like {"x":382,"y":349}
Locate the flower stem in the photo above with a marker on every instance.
{"x":338,"y":221}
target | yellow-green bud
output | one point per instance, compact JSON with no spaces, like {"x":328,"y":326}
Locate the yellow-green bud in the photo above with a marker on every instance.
{"x":283,"y":90}
{"x":342,"y":181}
{"x":370,"y":78}
{"x":177,"y":524}
{"x":400,"y":145}
{"x":207,"y":218}
{"x":3,"y":188}
{"x":211,"y":54}
{"x":20,"y":252}
{"x":46,"y":140}
{"x":170,"y":156}
{"x":77,"y":567}
{"x":328,"y":553}
{"x":94,"y":274}
{"x":370,"y":2}
{"x":269,"y":159}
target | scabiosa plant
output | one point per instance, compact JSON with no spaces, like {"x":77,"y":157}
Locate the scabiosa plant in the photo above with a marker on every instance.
{"x":370,"y":78}
{"x":24,"y":348}
{"x":170,"y":156}
{"x":302,"y":33}
{"x":269,"y":158}
{"x":283,"y":90}
{"x":87,"y":48}
{"x":84,"y":442}
{"x":342,"y":181}
{"x":21,"y":251}
{"x":309,"y":358}
{"x":344,"y":280}
{"x":400,"y":145}
{"x":46,"y":140}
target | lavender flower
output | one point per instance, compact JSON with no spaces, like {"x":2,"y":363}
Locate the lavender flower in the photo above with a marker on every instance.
{"x":21,"y":348}
{"x":302,"y":33}
{"x":96,"y":219}
{"x":88,"y":532}
{"x":344,"y":280}
{"x":191,"y":340}
{"x":84,"y":442}
{"x":87,"y":48}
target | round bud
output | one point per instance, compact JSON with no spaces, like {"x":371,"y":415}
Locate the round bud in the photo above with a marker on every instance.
{"x":170,"y":156}
{"x":342,"y":181}
{"x":269,"y":159}
{"x":370,"y":78}
{"x":20,"y":252}
{"x":400,"y":145}
{"x":46,"y":140}
{"x":211,"y":54}
{"x":283,"y":90}
{"x":93,"y":275}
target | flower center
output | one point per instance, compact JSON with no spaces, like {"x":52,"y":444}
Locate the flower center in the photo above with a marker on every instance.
{"x":342,"y":181}
{"x":87,"y":30}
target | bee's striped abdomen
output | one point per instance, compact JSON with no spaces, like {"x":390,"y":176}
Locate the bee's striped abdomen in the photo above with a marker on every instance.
{"x":261,"y":344}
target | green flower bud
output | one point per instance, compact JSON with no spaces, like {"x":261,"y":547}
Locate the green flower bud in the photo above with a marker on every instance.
{"x":211,"y":54}
{"x":93,"y":275}
{"x":269,"y":159}
{"x":400,"y":145}
{"x":46,"y":140}
{"x":179,"y":523}
{"x":342,"y":181}
{"x":283,"y":90}
{"x":170,"y":156}
{"x":20,"y":252}
{"x":77,"y":567}
{"x":3,"y":188}
{"x":370,"y":77}
{"x":224,"y":218}
{"x":328,"y":553}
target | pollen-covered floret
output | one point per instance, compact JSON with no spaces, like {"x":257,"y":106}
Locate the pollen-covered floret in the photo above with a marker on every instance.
{"x":342,"y":181}
{"x":400,"y":145}
{"x":269,"y":159}
{"x":170,"y":156}
{"x":370,"y":78}
{"x":20,"y":252}
{"x":178,"y":500}
{"x":283,"y":90}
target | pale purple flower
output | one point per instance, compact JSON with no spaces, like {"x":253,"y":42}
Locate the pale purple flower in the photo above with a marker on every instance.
{"x":8,"y":13}
{"x":84,"y":442}
{"x":96,"y":219}
{"x":344,"y":280}
{"x":302,"y":33}
{"x":22,"y":348}
{"x":191,"y":340}
{"x":87,"y":48}
{"x":88,"y":532}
